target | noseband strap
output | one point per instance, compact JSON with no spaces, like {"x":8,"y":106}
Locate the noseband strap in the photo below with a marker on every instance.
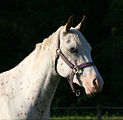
{"x":75,"y":68}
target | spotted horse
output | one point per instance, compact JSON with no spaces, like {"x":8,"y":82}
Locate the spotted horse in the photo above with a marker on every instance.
{"x":26,"y":91}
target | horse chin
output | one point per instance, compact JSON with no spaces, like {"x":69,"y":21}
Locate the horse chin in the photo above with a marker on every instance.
{"x":91,"y":91}
{"x":88,"y":92}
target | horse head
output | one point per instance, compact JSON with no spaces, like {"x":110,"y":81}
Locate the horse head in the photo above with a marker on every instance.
{"x":75,"y":51}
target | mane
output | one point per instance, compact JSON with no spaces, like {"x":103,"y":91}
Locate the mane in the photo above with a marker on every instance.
{"x":48,"y":41}
{"x":44,"y":45}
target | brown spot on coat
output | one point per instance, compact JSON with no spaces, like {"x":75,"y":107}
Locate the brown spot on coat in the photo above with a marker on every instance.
{"x":32,"y":98}
{"x":2,"y":83}
{"x":61,"y":63}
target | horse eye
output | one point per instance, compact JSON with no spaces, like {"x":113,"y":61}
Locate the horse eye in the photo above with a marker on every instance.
{"x":73,"y":50}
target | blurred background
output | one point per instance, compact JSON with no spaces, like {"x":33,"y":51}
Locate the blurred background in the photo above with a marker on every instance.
{"x":23,"y":23}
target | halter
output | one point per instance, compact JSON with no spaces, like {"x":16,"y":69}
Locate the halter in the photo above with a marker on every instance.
{"x":75,"y":68}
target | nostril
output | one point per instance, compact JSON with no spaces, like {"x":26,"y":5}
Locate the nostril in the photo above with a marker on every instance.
{"x":95,"y":83}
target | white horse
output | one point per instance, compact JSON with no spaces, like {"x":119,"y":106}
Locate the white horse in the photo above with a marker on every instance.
{"x":26,"y":91}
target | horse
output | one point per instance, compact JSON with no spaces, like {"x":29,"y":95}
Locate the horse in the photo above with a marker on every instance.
{"x":27,"y":90}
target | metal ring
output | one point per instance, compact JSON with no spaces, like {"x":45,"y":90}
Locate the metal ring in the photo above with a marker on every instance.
{"x":77,"y":92}
{"x":75,"y":69}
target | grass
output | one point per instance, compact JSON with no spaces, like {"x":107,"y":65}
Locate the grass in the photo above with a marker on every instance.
{"x":87,"y":118}
{"x":73,"y":118}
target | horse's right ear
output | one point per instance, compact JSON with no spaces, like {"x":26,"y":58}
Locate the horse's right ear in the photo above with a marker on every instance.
{"x":81,"y":25}
{"x":69,"y":24}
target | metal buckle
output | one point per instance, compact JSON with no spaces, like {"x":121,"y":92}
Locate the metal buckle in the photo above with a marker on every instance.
{"x":75,"y":69}
{"x":58,"y":51}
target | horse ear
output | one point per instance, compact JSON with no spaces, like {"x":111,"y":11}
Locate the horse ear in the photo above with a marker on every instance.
{"x":81,"y":25}
{"x":69,"y":24}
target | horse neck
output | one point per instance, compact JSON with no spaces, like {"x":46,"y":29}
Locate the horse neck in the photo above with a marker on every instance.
{"x":40,"y":65}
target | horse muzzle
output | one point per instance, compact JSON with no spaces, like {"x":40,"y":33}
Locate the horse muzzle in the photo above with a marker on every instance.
{"x":95,"y":87}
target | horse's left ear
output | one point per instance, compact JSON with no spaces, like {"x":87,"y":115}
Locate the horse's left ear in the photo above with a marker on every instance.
{"x":69,"y":24}
{"x":81,"y":26}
